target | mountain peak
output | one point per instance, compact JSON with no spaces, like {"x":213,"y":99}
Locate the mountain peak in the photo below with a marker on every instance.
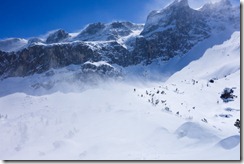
{"x":180,"y":3}
{"x":57,"y":36}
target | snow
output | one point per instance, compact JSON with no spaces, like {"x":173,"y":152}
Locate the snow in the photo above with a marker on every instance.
{"x":160,"y":70}
{"x":74,"y":34}
{"x":230,"y":142}
{"x":114,"y":120}
{"x":125,"y":41}
{"x":106,"y":122}
{"x":106,"y":32}
{"x":168,"y":110}
{"x":97,"y":64}
{"x":195,"y":131}
{"x":177,"y":63}
{"x":218,"y":61}
{"x":12,"y":44}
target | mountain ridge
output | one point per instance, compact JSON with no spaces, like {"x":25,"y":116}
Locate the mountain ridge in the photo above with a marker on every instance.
{"x":169,"y":32}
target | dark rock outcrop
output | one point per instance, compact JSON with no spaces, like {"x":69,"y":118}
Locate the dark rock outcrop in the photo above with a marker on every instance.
{"x":41,"y":58}
{"x":177,"y":28}
{"x":57,"y":36}
{"x":99,"y":68}
{"x":106,"y":32}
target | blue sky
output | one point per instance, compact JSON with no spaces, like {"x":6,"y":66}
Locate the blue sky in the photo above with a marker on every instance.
{"x":28,"y":18}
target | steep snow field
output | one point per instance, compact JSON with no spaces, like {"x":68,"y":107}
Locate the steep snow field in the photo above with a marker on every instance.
{"x":182,"y":118}
{"x":162,"y":70}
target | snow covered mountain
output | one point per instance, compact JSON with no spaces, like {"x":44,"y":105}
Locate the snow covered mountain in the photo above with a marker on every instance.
{"x":177,"y":28}
{"x":170,"y":32}
{"x":61,"y":49}
{"x":166,"y":90}
{"x":105,"y":32}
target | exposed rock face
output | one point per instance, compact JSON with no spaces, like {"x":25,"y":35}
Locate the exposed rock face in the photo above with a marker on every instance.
{"x":106,"y":32}
{"x":222,"y":15}
{"x":172,"y":31}
{"x":5,"y":62}
{"x":177,"y":28}
{"x":41,"y":58}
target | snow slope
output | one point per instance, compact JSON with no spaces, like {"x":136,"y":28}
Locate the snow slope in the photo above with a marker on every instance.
{"x":183,"y":118}
{"x":162,"y":70}
{"x":217,"y":62}
{"x":85,"y":126}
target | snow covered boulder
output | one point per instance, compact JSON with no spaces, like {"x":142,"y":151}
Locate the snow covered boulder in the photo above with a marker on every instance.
{"x":230,"y":142}
{"x":194,"y":131}
{"x":100,"y":68}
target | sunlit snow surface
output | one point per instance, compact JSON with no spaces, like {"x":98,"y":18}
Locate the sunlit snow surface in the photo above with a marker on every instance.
{"x":116,"y":119}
